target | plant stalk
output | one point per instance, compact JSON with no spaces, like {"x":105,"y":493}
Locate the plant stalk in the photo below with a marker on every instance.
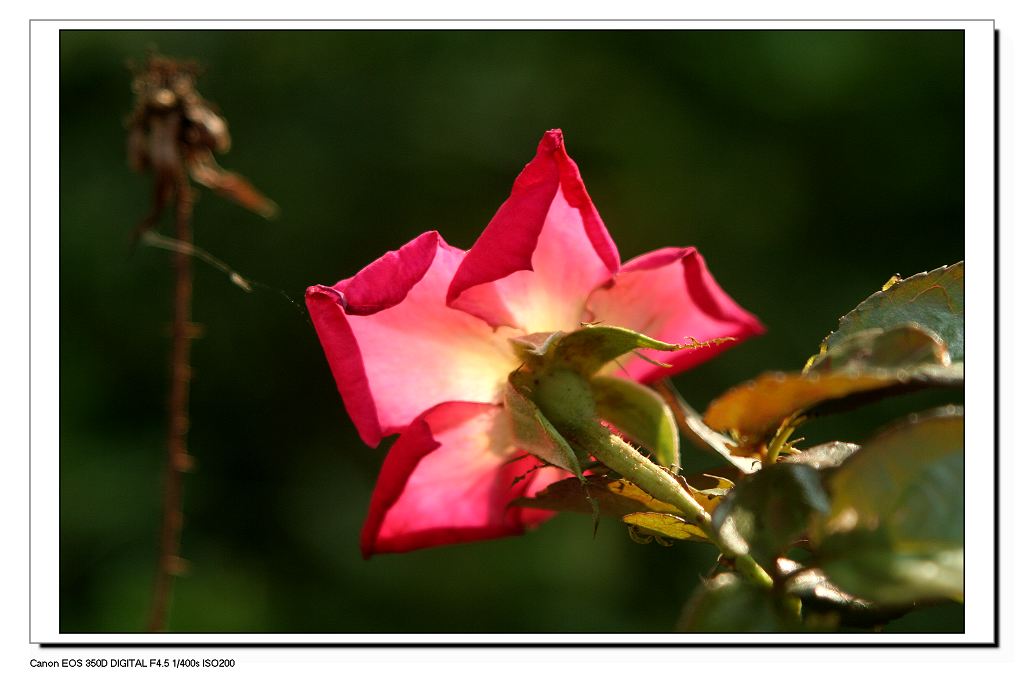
{"x":169,"y":563}
{"x":657,"y":482}
{"x":779,"y":440}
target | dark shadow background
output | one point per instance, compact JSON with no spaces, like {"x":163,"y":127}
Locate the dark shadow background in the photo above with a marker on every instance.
{"x":808,"y":167}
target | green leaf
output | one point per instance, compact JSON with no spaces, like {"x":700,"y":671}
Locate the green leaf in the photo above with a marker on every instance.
{"x":533,"y":433}
{"x":641,"y":414}
{"x":824,"y":456}
{"x":903,"y":346}
{"x":895,"y":533}
{"x":728,"y":604}
{"x":907,"y":336}
{"x":615,"y":496}
{"x":874,"y":566}
{"x":769,"y":510}
{"x":755,"y":410}
{"x":666,"y":525}
{"x":934,"y":300}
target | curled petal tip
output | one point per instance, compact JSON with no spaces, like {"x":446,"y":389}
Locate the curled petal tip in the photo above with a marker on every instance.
{"x":516,"y":274}
{"x":552,"y":140}
{"x":325,"y":291}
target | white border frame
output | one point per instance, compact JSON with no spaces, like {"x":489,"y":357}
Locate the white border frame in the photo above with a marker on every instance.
{"x":979,"y":253}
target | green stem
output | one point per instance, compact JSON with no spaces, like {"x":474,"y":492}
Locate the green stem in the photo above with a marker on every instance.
{"x":779,"y":440}
{"x":624,"y":459}
{"x":566,"y":399}
{"x":657,"y":482}
{"x":746,"y":565}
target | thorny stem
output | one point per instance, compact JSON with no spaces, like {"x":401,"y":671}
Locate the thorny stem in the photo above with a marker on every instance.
{"x":174,"y":133}
{"x":178,"y":460}
{"x":624,"y":459}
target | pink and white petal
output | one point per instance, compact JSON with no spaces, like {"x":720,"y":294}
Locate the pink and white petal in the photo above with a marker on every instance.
{"x":449,"y":479}
{"x":670,"y":295}
{"x":542,"y":254}
{"x":395,"y":348}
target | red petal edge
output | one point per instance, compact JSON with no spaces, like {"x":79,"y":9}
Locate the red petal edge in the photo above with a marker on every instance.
{"x":380,"y":285}
{"x":507,"y":243}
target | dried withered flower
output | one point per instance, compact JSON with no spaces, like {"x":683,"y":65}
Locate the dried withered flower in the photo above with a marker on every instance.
{"x":174,"y":132}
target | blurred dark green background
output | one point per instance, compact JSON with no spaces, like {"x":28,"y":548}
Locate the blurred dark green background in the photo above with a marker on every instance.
{"x":807,"y":166}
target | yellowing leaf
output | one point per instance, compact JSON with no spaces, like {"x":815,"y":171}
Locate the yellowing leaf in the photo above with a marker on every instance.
{"x":755,"y":409}
{"x":666,"y":525}
{"x":616,"y":497}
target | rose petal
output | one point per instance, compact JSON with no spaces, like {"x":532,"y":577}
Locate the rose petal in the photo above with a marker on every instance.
{"x":449,"y":479}
{"x":543,"y":252}
{"x":396,"y":349}
{"x":670,"y":295}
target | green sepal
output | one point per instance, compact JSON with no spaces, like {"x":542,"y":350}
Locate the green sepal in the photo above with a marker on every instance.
{"x":589,"y":348}
{"x":533,"y":433}
{"x":641,"y":414}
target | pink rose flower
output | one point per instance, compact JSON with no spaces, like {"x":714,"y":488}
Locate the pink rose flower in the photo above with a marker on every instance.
{"x":418,"y":342}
